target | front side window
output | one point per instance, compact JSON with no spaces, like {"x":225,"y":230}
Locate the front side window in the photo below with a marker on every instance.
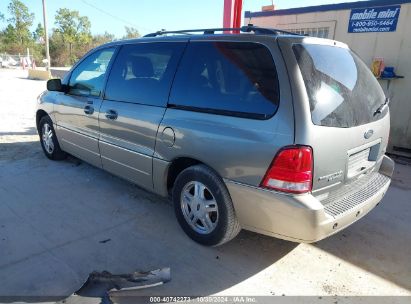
{"x":87,"y":79}
{"x":142,"y":73}
{"x":229,"y":78}
{"x":341,"y":89}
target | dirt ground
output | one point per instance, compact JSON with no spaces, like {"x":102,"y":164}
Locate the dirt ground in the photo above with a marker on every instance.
{"x":61,"y":220}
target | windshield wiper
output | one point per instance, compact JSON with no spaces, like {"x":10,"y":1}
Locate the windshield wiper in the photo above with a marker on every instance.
{"x":382,"y":107}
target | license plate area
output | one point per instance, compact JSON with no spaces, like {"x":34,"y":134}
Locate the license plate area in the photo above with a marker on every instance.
{"x":362,"y":158}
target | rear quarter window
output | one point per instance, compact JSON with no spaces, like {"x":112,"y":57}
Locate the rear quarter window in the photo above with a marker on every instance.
{"x":341,"y":89}
{"x":228,"y":78}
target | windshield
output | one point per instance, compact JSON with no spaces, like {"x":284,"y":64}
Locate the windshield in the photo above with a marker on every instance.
{"x":341,"y":89}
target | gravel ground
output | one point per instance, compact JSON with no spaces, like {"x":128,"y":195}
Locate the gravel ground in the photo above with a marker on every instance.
{"x":61,"y":220}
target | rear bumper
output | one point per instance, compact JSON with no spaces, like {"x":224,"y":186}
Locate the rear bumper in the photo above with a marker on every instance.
{"x":303,"y":218}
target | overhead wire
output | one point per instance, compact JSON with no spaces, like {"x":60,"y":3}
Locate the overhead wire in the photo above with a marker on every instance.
{"x":116,"y":17}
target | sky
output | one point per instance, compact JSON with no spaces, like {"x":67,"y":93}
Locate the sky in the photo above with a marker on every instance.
{"x":149,"y":15}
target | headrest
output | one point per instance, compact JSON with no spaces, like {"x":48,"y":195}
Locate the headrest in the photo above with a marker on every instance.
{"x":142,"y":67}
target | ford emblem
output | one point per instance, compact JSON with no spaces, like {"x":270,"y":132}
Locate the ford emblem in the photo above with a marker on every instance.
{"x":368,"y":134}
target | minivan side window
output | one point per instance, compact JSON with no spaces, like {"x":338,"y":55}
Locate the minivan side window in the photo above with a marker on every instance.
{"x":228,"y":78}
{"x":87,"y":79}
{"x":142,"y":73}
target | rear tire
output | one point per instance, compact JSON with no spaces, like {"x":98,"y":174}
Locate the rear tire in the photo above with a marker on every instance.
{"x":48,"y":140}
{"x":203,"y":206}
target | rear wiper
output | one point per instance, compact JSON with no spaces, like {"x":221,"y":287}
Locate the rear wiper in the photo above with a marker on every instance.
{"x":382,"y":107}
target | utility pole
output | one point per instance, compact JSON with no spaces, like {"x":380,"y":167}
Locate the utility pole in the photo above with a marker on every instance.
{"x":46,"y":38}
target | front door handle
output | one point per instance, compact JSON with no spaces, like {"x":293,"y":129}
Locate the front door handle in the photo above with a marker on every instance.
{"x":111,"y":114}
{"x":88,"y":109}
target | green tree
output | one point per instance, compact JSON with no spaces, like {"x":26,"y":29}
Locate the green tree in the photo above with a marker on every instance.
{"x":131,"y":32}
{"x":59,"y":55}
{"x":74,"y":31}
{"x":9,"y":35}
{"x":2,"y":47}
{"x":21,"y":20}
{"x":101,"y":39}
{"x":38,"y":34}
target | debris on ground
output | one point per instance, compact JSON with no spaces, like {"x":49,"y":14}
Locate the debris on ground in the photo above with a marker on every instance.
{"x":105,"y":285}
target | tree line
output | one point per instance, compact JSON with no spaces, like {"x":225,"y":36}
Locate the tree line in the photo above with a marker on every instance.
{"x":70,"y":38}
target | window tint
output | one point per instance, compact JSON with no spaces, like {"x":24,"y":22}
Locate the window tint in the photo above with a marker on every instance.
{"x":341,"y":89}
{"x":232,"y":78}
{"x":88,"y":77}
{"x":142,"y":73}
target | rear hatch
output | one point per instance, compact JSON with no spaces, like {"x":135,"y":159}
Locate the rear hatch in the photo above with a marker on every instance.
{"x":340,"y":112}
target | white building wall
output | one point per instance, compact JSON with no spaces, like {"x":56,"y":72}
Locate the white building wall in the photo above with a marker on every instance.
{"x":394,"y":47}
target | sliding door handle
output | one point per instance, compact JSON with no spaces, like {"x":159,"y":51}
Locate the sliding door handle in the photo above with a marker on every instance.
{"x":111,"y":114}
{"x":88,"y":109}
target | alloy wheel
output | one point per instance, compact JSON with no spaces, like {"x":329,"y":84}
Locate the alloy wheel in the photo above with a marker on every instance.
{"x":199,"y":207}
{"x":47,"y":138}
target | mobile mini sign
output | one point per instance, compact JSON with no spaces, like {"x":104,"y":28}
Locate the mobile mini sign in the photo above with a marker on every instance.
{"x":375,"y":19}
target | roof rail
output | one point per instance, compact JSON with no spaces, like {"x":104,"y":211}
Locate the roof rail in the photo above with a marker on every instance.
{"x":244,"y":29}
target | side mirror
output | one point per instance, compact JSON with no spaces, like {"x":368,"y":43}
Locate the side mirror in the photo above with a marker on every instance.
{"x":54,"y":85}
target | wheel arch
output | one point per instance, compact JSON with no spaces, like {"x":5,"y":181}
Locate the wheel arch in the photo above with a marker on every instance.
{"x":176,"y":166}
{"x":39,"y":115}
{"x":179,"y":164}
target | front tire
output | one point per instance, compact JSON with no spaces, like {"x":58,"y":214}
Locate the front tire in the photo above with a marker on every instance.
{"x":48,"y":140}
{"x":203,"y":206}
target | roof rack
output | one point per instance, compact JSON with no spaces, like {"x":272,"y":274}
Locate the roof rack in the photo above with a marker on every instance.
{"x":244,"y":29}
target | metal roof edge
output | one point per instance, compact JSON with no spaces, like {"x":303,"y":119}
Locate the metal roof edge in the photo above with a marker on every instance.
{"x":325,"y":7}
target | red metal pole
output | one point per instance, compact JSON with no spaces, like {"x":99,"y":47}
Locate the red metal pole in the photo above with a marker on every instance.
{"x":237,"y":13}
{"x":232,"y":13}
{"x":228,"y":9}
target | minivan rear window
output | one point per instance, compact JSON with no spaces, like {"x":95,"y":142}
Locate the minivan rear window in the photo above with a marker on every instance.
{"x":227,"y":78}
{"x":341,"y":89}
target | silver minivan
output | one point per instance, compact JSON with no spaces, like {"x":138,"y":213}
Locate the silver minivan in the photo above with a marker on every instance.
{"x":258,"y":129}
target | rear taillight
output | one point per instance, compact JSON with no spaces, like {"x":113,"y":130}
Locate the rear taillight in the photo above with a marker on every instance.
{"x":291,"y":170}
